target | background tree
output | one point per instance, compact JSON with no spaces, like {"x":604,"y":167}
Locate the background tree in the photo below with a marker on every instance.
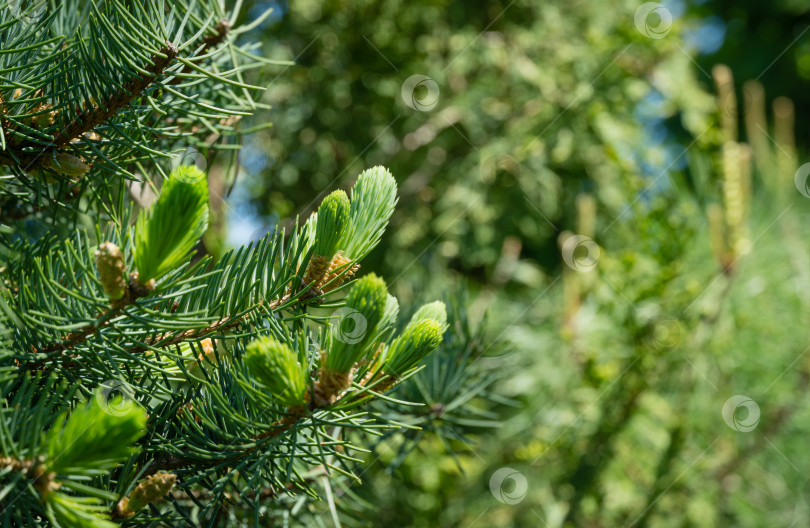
{"x":540,"y":106}
{"x":766,"y":41}
{"x":557,"y":121}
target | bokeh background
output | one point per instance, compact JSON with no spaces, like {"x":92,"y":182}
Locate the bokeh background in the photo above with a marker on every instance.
{"x":612,"y":197}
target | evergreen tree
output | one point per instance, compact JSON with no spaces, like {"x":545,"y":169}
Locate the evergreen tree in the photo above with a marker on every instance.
{"x":141,"y":384}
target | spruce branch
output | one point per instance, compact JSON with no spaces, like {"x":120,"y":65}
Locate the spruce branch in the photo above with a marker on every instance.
{"x":119,"y":93}
{"x":149,"y":490}
{"x":167,"y":231}
{"x":162,"y":340}
{"x":88,"y":120}
{"x":209,"y":43}
{"x":279,"y":370}
{"x":297,"y":418}
{"x":374,"y":197}
{"x":103,"y":92}
{"x":366,"y":303}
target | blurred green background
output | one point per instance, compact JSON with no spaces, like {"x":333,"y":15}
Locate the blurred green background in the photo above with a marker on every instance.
{"x":620,"y":221}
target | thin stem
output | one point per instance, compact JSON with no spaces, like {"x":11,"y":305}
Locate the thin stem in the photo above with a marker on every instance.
{"x":160,"y":340}
{"x":279,"y":427}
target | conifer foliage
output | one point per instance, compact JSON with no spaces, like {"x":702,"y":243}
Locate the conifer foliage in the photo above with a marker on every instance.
{"x":141,"y":385}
